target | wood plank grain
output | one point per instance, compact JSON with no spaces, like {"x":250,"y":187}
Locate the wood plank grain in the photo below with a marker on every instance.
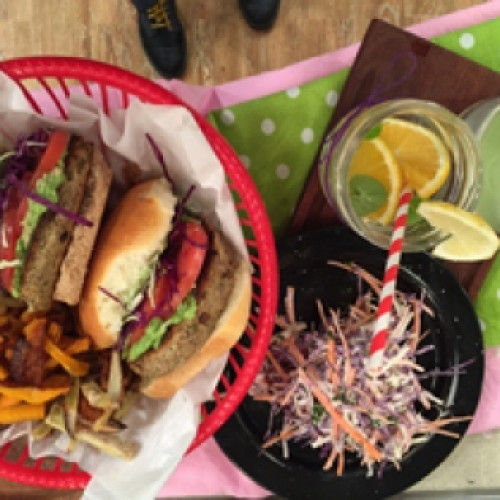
{"x":221,"y":47}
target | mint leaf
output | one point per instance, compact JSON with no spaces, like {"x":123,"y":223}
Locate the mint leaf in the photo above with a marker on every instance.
{"x":367,"y":194}
{"x":373,"y":132}
{"x":413,"y":215}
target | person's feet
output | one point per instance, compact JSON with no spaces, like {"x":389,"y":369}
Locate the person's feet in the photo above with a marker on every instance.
{"x":260,"y":14}
{"x":163,"y":38}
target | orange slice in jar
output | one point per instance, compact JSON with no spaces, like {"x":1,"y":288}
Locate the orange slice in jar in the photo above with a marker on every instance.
{"x":374,"y":159}
{"x":420,"y":153}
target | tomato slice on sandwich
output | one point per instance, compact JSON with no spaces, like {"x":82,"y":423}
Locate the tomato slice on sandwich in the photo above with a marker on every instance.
{"x":56,"y":148}
{"x":11,"y":230}
{"x":17,"y":206}
{"x":173,"y":285}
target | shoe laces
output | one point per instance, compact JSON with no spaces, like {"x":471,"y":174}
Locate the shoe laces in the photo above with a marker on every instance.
{"x":159,"y":16}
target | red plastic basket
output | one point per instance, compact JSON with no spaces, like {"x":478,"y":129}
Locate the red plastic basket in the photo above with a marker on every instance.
{"x":47,"y":83}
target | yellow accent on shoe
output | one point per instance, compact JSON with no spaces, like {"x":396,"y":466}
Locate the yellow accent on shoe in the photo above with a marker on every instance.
{"x":158,"y":14}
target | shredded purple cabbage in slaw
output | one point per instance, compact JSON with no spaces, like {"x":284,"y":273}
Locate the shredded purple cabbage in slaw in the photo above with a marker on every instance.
{"x":385,"y":409}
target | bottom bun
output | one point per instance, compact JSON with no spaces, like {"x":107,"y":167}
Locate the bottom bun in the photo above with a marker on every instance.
{"x":227,"y":332}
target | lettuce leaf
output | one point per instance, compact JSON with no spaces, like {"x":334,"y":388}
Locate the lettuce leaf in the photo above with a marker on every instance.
{"x":48,"y":187}
{"x":157,"y":328}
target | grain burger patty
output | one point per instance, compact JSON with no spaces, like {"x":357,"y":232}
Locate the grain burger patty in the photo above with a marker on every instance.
{"x":45,"y":248}
{"x":164,"y":287}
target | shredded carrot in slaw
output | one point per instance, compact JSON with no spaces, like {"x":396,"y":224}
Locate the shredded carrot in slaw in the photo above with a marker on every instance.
{"x":317,"y":382}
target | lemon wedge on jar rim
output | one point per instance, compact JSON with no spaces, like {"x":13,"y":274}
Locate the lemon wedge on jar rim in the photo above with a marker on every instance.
{"x":470,"y":237}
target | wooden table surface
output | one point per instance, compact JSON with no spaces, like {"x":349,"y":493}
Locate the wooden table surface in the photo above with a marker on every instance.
{"x":221,"y":48}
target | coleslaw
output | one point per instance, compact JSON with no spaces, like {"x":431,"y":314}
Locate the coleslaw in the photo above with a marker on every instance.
{"x":322,"y":393}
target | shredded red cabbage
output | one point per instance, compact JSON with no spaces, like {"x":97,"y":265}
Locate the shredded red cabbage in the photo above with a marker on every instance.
{"x":21,"y":186}
{"x":24,"y":158}
{"x":130,"y":326}
{"x":166,"y":264}
{"x":27,"y":152}
{"x":180,"y":207}
{"x":124,"y":334}
{"x":143,"y":319}
{"x":159,"y":157}
{"x":167,"y":261}
{"x":112,"y":297}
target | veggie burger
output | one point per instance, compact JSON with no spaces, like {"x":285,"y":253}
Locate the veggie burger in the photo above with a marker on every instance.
{"x":167,"y":289}
{"x":53,"y":190}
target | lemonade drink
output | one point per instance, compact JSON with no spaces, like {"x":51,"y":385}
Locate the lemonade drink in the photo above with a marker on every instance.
{"x":392,"y":144}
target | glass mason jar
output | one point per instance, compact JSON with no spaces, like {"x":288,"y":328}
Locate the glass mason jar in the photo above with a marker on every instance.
{"x":461,"y":188}
{"x":483,"y":118}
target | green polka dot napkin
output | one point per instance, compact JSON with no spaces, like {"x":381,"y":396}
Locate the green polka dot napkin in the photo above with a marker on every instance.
{"x":277,"y":138}
{"x":487,"y":305}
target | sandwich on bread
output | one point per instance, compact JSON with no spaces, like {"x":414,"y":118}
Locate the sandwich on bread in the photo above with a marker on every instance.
{"x":54,"y":189}
{"x":167,"y":289}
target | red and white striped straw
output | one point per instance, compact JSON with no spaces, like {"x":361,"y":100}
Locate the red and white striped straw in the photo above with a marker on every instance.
{"x":386,"y":299}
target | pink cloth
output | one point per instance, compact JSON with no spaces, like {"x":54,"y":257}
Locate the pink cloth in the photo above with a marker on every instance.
{"x":487,"y":416}
{"x":207,"y":471}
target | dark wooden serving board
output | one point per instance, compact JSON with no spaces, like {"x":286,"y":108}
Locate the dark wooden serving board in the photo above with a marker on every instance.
{"x":440,"y":76}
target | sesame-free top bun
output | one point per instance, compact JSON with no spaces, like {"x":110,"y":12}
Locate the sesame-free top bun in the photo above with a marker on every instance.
{"x":134,"y":233}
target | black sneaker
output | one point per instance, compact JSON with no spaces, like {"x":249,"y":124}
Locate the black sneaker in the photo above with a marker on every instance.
{"x":260,"y":14}
{"x":163,"y":38}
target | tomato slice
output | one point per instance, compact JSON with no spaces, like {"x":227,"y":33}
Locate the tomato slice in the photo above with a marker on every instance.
{"x":189,"y":261}
{"x":17,"y":206}
{"x":56,"y":147}
{"x":11,"y":231}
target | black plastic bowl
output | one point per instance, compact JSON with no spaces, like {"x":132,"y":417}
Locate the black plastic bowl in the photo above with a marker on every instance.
{"x":454,"y":330}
